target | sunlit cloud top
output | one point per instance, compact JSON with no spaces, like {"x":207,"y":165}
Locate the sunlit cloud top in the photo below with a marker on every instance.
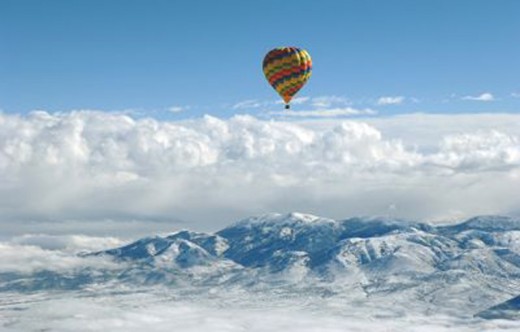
{"x":87,"y":165}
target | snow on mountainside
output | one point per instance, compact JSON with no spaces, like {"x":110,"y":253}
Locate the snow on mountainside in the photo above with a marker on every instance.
{"x":507,"y":310}
{"x":487,"y":224}
{"x":471,"y":265}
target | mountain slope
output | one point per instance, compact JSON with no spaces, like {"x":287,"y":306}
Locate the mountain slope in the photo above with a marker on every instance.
{"x":507,"y":310}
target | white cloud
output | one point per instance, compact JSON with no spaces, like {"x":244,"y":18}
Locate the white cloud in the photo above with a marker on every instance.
{"x":299,"y":100}
{"x":28,"y":259}
{"x":67,"y":243}
{"x":177,"y":109}
{"x":325,"y":113}
{"x":295,"y":101}
{"x":318,"y":102}
{"x":486,"y":96}
{"x":207,"y":172}
{"x":246,"y":104}
{"x":427,"y":130}
{"x":61,"y":229}
{"x":329,"y":101}
{"x":30,"y":253}
{"x":515,"y":94}
{"x":390,"y":100}
{"x":486,"y":150}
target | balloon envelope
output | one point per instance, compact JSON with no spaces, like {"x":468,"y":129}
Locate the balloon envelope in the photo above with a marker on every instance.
{"x":287,"y":69}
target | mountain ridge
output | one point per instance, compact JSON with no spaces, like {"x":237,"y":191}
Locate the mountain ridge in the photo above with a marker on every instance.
{"x":474,"y":264}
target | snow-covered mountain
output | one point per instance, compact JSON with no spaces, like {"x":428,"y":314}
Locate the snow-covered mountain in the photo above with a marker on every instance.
{"x":472,"y":265}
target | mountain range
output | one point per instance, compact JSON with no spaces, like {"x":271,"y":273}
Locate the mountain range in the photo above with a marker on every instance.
{"x":465,"y":269}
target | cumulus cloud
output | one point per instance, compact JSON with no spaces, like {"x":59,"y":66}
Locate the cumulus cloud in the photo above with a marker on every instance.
{"x":390,"y":100}
{"x":483,"y":151}
{"x":427,"y":130}
{"x":486,"y":96}
{"x":207,"y":172}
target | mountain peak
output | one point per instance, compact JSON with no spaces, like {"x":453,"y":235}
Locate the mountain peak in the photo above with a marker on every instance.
{"x":281,"y":219}
{"x":303,"y":216}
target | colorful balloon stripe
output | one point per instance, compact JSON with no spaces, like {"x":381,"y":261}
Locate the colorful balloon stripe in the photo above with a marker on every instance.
{"x":287,"y":69}
{"x":285,"y":75}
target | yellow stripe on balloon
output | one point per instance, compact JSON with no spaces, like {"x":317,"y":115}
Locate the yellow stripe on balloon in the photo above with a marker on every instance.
{"x":287,"y":69}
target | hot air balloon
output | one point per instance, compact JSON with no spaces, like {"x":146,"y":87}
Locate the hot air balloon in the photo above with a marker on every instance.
{"x":287,"y":69}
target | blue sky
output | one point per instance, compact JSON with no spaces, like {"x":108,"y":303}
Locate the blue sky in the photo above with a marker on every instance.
{"x":204,"y":57}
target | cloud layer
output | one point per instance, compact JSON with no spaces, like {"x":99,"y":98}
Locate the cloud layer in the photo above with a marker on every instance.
{"x":163,"y":311}
{"x":28,"y":259}
{"x":87,"y":165}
